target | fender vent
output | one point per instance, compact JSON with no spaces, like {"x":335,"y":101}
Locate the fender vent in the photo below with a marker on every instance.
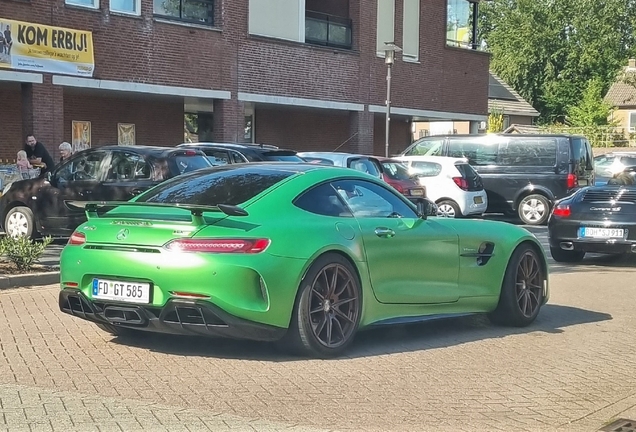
{"x":484,"y":253}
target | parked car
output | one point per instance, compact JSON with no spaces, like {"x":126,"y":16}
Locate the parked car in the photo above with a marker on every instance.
{"x":395,"y":173}
{"x":523,"y":174}
{"x":451,"y":183}
{"x":111,"y":173}
{"x":358,"y":162}
{"x":311,"y":253}
{"x":609,"y":164}
{"x":599,"y":219}
{"x":228,"y":153}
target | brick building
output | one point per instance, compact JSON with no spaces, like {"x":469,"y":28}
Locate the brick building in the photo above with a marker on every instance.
{"x":304,"y":74}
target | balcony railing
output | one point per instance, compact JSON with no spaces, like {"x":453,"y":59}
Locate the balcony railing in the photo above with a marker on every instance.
{"x":327,"y":30}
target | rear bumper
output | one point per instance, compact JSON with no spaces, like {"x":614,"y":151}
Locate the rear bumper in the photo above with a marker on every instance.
{"x":469,"y":205}
{"x":563,"y":234}
{"x":177,"y":316}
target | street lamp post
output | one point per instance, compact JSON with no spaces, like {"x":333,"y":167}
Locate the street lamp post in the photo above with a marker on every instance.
{"x":389,"y":58}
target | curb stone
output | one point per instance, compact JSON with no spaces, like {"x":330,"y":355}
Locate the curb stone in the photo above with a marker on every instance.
{"x":31,"y":279}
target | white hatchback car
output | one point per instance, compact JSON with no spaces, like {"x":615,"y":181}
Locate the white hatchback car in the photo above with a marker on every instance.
{"x":452,"y":183}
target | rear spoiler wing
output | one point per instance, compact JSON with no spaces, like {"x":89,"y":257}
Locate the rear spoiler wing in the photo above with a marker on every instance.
{"x":91,"y":208}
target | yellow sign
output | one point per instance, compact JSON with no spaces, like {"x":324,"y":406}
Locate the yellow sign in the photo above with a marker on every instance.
{"x":42,"y":48}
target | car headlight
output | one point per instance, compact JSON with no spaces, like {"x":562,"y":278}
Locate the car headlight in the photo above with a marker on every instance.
{"x":6,"y":188}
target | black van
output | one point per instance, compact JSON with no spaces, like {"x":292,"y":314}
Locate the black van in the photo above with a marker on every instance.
{"x":522,"y":173}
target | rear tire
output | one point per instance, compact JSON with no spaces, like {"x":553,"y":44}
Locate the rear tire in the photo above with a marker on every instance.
{"x":19,"y":222}
{"x":327,"y":309}
{"x":534,"y":209}
{"x":521,"y":294}
{"x":449,"y":209}
{"x":564,"y":256}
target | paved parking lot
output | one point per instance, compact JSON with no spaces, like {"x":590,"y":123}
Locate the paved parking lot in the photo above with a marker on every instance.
{"x":572,"y":370}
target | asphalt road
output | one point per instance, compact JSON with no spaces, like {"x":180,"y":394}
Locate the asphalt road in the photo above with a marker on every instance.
{"x":572,"y":370}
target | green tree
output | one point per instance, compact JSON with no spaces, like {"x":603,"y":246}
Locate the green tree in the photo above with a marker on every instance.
{"x":549,"y":50}
{"x":591,"y":110}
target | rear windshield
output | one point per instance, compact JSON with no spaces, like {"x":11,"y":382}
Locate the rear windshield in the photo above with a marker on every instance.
{"x":183,"y":163}
{"x":365,"y":165}
{"x":426,"y":169}
{"x":396,"y":171}
{"x":284,"y":156}
{"x":222,"y":185}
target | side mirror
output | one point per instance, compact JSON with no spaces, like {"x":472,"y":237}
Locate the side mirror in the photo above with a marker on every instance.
{"x":426,"y":208}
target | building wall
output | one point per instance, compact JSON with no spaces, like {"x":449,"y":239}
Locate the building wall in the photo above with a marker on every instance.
{"x":157,"y":121}
{"x":11,"y":139}
{"x":521,"y":120}
{"x":399,"y":135}
{"x":302,"y":130}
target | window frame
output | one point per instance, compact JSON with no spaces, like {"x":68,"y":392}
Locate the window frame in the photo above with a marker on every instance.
{"x":72,"y":3}
{"x":180,"y":19}
{"x":134,"y":13}
{"x":631,"y":127}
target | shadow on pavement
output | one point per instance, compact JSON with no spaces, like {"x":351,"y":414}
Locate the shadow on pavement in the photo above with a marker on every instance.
{"x":374,"y":341}
{"x":595,"y":263}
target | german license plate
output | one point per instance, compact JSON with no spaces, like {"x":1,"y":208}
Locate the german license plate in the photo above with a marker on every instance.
{"x":601,"y":232}
{"x":478,"y":200}
{"x":133,"y":292}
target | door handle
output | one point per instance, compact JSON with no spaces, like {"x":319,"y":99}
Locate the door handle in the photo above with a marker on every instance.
{"x":384,"y":232}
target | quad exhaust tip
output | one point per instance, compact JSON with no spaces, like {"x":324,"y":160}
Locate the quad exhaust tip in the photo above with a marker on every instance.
{"x":567,"y":246}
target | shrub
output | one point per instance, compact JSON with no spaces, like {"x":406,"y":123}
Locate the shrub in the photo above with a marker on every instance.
{"x":22,"y":251}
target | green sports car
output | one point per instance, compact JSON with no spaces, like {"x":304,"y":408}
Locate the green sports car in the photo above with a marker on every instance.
{"x":297,"y":253}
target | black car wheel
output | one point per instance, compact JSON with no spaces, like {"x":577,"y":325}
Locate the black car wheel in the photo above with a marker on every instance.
{"x":566,"y":256}
{"x":534,"y":209}
{"x":19,"y":222}
{"x":327,"y":309}
{"x":522,"y":289}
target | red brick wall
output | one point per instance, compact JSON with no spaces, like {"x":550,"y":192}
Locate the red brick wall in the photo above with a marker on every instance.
{"x":399,"y":135}
{"x":302,"y":129}
{"x":11,"y":139}
{"x":157,"y":121}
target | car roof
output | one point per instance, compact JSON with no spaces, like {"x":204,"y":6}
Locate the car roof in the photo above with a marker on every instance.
{"x":140,"y":149}
{"x":438,"y":159}
{"x":235,"y":146}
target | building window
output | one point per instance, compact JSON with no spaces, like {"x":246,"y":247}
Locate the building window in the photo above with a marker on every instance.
{"x":126,"y":6}
{"x":193,"y":11}
{"x":86,"y":3}
{"x":411,"y":30}
{"x":385,"y":25}
{"x":327,"y":30}
{"x":632,"y":122}
{"x":461,"y":28}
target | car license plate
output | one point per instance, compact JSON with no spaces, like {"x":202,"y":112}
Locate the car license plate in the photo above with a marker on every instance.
{"x":601,"y":232}
{"x":417,"y":192}
{"x":478,"y":200}
{"x":134,"y":292}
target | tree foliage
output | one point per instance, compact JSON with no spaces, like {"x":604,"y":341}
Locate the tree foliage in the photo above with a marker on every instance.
{"x":591,"y":110}
{"x":549,"y":50}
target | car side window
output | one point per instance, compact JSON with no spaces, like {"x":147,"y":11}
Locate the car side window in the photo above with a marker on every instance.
{"x":369,"y":200}
{"x":426,"y":147}
{"x":425,"y":169}
{"x":217,"y":157}
{"x":85,"y":166}
{"x":365,"y":165}
{"x":477,"y":153}
{"x":237,"y":158}
{"x":128,"y":167}
{"x":323,"y":200}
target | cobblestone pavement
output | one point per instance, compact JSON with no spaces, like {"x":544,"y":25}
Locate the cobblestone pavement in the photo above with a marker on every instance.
{"x":573,"y":370}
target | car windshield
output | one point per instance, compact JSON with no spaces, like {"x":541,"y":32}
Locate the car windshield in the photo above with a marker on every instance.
{"x":183,"y":163}
{"x":396,"y":171}
{"x":222,"y":185}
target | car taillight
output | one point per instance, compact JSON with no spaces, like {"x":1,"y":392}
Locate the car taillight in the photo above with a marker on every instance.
{"x":461,"y":183}
{"x":190,"y":152}
{"x":399,"y":188}
{"x":77,"y":238}
{"x":248,"y":246}
{"x":572,"y":181}
{"x":562,"y":210}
